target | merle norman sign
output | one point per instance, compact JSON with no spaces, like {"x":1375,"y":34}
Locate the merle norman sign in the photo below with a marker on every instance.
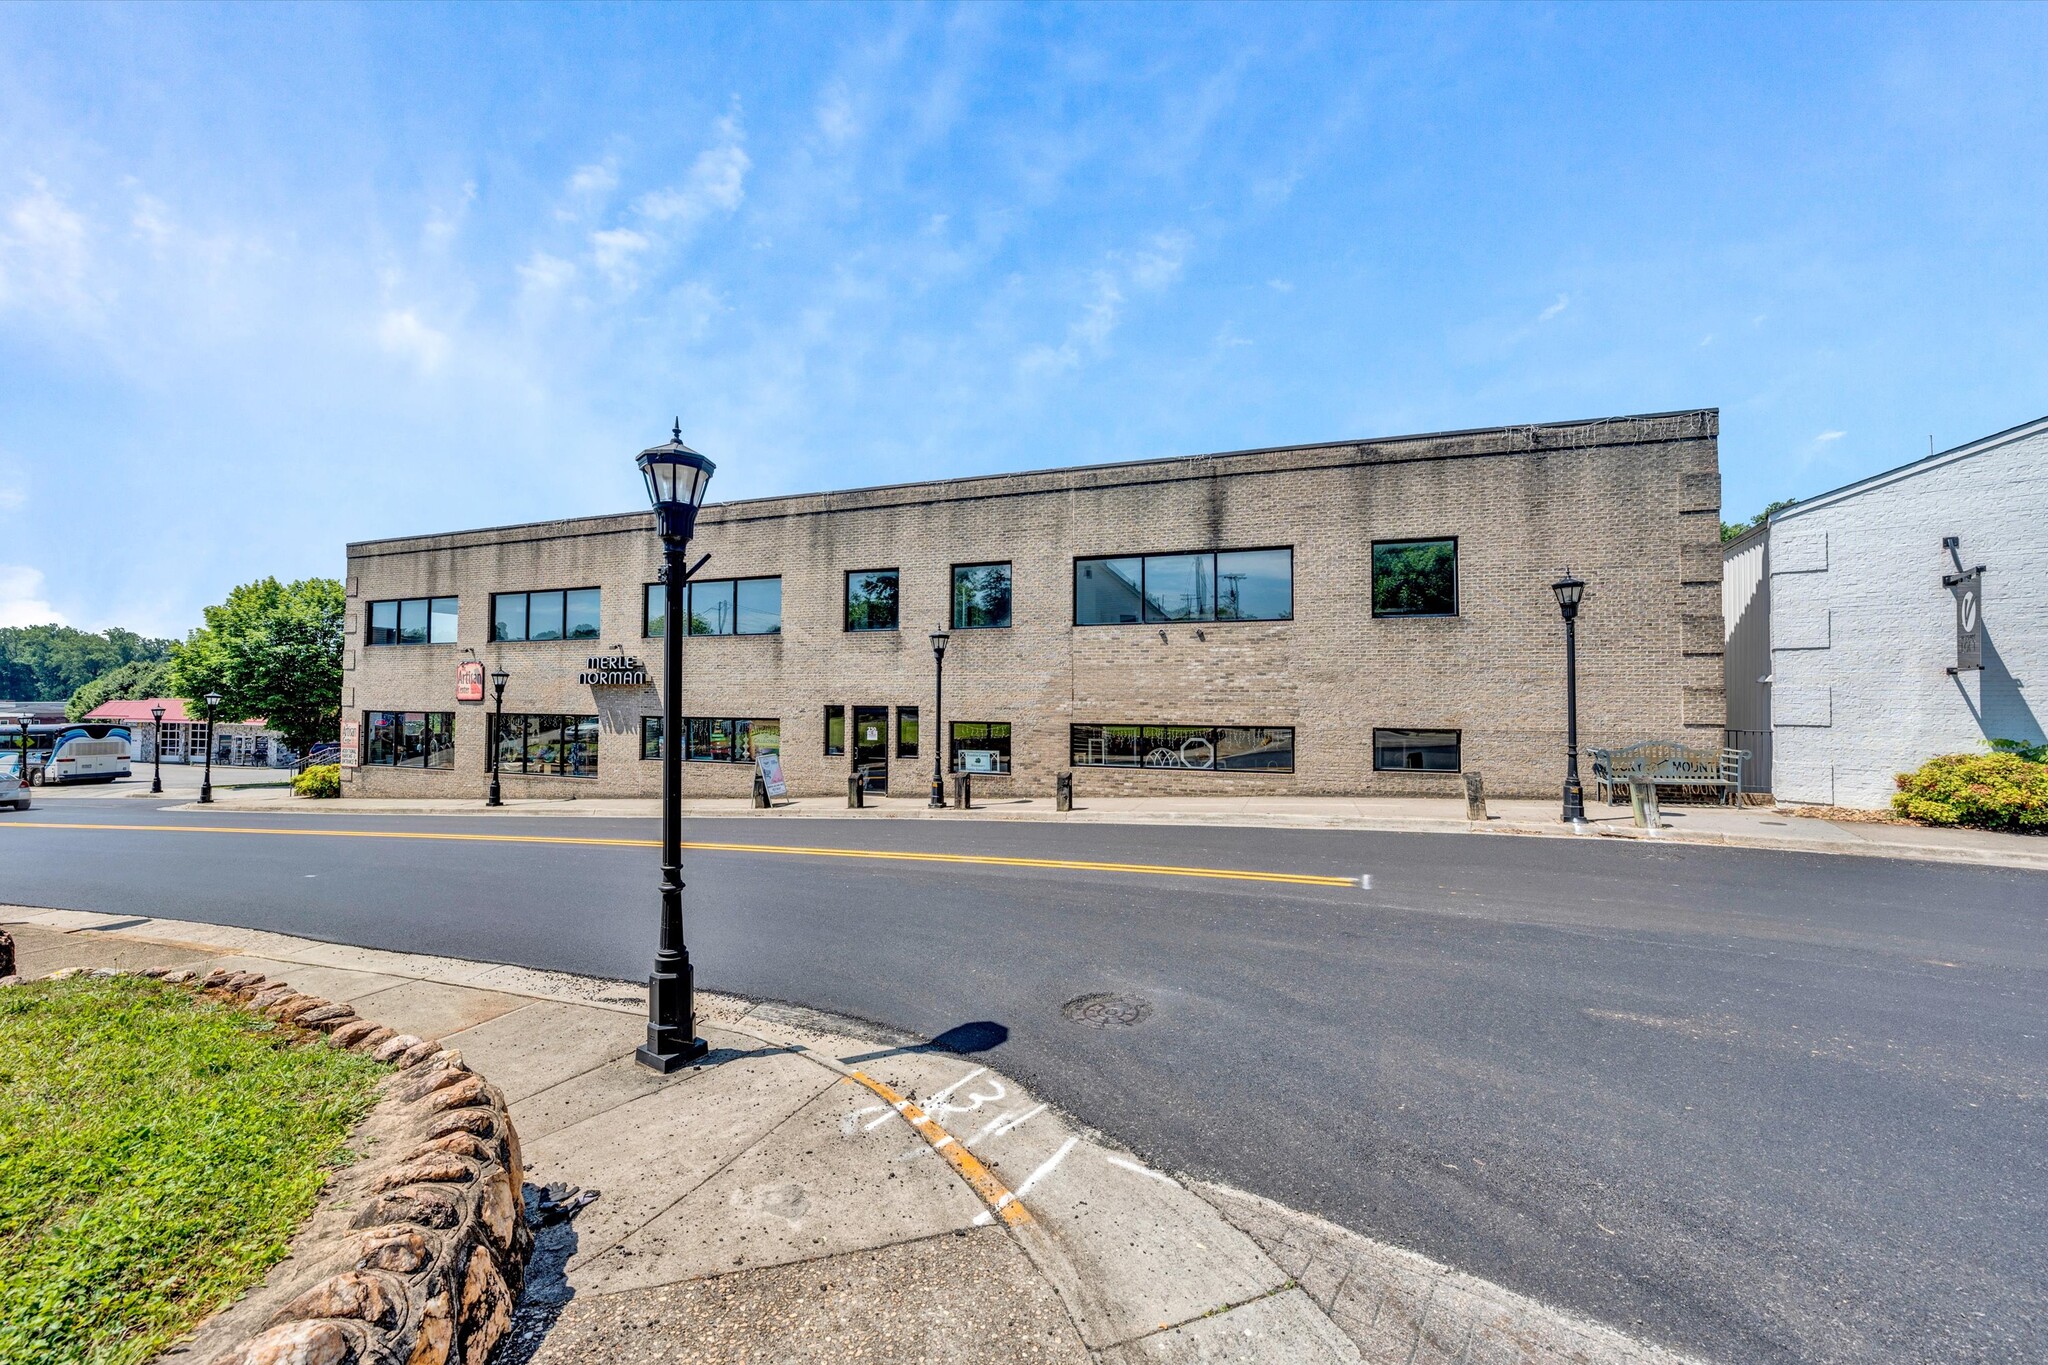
{"x":618,"y":670}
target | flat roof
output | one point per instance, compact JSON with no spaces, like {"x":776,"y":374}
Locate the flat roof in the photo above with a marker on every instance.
{"x":635,"y":519}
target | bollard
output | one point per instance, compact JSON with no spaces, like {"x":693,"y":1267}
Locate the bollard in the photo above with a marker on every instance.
{"x":856,"y":790}
{"x":963,"y":791}
{"x":1063,"y":792}
{"x":1475,"y":797}
{"x":761,"y":801}
{"x":1642,"y":800}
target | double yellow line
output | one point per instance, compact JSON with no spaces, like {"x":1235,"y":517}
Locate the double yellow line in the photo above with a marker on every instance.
{"x":786,"y":850}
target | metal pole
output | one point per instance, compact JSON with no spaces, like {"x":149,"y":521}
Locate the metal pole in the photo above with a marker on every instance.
{"x":156,"y":780}
{"x":491,"y":753}
{"x":206,"y":782}
{"x":938,"y":801}
{"x":1574,"y":794}
{"x":672,"y":1041}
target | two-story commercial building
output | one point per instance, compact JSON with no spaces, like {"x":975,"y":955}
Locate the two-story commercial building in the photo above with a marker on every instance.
{"x":1358,"y":617}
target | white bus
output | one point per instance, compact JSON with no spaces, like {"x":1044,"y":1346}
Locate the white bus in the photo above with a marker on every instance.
{"x":76,"y":751}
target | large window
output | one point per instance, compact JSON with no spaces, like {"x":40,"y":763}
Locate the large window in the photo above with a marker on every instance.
{"x":715,"y":740}
{"x":980,"y":746}
{"x":1415,"y":577}
{"x":721,"y":606}
{"x":871,"y":599}
{"x":1417,"y":751}
{"x":981,"y":596}
{"x":408,"y":739}
{"x":1227,"y":585}
{"x":906,"y":732}
{"x":571,"y":614}
{"x":1205,"y":748}
{"x":547,"y":746}
{"x":413,"y":621}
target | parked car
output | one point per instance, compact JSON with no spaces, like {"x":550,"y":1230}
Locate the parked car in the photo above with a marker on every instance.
{"x":12,"y":793}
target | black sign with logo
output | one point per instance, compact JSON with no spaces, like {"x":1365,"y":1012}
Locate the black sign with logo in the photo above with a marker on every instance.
{"x":1969,"y":593}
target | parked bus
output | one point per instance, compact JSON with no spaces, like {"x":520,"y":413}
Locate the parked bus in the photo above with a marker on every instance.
{"x":73,"y":751}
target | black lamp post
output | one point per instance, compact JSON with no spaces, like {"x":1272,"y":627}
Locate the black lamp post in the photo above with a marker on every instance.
{"x":23,"y":719}
{"x":206,"y":782}
{"x":156,"y":777}
{"x":1569,"y":590}
{"x":676,"y":479}
{"x":498,"y":681}
{"x":939,"y":639}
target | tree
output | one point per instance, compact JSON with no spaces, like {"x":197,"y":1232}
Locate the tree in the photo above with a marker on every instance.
{"x":133,"y":681}
{"x":272,"y":650}
{"x":38,"y":663}
{"x":1731,"y":529}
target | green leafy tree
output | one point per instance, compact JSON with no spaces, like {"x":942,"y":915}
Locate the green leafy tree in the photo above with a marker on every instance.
{"x":1731,"y":529}
{"x":272,"y":650}
{"x":132,"y":681}
{"x":38,"y":663}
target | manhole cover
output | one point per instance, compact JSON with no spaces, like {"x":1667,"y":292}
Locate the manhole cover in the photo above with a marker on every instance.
{"x":1107,"y":1010}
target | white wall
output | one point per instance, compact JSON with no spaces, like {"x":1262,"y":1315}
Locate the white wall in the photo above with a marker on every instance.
{"x":1746,"y":619}
{"x":1862,"y":632}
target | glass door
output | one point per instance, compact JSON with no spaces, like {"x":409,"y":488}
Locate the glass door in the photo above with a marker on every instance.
{"x":871,"y":747}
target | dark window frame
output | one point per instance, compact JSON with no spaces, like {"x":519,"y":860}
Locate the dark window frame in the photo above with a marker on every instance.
{"x":499,"y":725}
{"x":397,"y":605}
{"x":953,"y":746}
{"x":1457,"y":742}
{"x":846,"y":625}
{"x":836,"y":710}
{"x":365,"y":755}
{"x":1074,"y":727}
{"x":647,"y":606}
{"x":526,"y":638}
{"x":953,"y":592}
{"x":1144,"y":594}
{"x":1457,"y":580}
{"x":916,"y":745}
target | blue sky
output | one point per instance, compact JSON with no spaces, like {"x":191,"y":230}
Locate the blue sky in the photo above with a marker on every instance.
{"x":273,"y":279}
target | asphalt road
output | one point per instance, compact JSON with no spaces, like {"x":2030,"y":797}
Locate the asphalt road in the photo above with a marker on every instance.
{"x":1760,"y":1106}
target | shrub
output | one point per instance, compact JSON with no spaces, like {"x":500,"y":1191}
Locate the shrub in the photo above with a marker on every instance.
{"x":322,"y":779}
{"x":1988,"y":791}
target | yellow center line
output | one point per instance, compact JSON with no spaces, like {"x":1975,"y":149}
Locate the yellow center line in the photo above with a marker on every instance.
{"x":788,"y":850}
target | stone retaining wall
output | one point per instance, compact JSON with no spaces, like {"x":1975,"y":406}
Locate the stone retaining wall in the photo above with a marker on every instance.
{"x":416,"y":1252}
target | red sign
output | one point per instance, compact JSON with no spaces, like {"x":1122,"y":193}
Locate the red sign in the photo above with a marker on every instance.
{"x":469,"y":681}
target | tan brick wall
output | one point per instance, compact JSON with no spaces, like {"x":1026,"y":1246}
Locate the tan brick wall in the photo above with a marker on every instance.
{"x":1632,"y":504}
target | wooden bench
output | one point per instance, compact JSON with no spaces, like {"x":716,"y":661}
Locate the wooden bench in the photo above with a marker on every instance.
{"x":1666,"y":764}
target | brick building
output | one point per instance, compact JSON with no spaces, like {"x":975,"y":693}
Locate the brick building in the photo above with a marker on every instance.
{"x":1359,"y":617}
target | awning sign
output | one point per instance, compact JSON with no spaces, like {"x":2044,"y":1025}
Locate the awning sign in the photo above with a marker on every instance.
{"x":1969,"y":594}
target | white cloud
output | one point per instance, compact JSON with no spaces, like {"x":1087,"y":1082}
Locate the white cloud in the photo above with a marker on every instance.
{"x":545,"y":273}
{"x":1280,"y":286}
{"x":21,"y":598}
{"x":43,"y":255}
{"x":1159,"y":263}
{"x":716,"y":183}
{"x":443,"y":224}
{"x":836,"y":117}
{"x":1827,"y":436}
{"x":11,"y":498}
{"x":402,"y":334}
{"x":617,"y":252}
{"x":1564,"y":301}
{"x":597,"y":178}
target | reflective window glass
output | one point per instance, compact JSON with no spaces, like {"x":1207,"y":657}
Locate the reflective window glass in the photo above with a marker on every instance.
{"x":412,"y":621}
{"x":581,"y":614}
{"x":1106,"y":591}
{"x":906,"y":732}
{"x":1426,"y":751}
{"x":1254,"y":585}
{"x":383,"y":623}
{"x":760,"y":606}
{"x":441,"y":627}
{"x":1180,"y":587}
{"x":650,"y":737}
{"x":981,"y":596}
{"x":711,"y":608}
{"x":1415,"y":578}
{"x":654,"y":614}
{"x":1198,"y":748}
{"x":508,"y":616}
{"x":835,"y":730}
{"x":543,"y":616}
{"x":871,"y":600}
{"x":980,"y":746}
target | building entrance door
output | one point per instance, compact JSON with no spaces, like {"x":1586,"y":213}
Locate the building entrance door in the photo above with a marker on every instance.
{"x":871,"y":747}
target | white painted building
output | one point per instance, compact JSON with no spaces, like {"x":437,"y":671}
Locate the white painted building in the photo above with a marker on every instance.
{"x":1842,"y":634}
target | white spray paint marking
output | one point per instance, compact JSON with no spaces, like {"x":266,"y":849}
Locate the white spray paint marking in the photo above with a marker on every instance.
{"x":975,"y":1099}
{"x":939,"y":1096}
{"x":1144,"y":1170}
{"x":892,"y":1109}
{"x":998,"y":1121}
{"x":1365,"y":881}
{"x":1014,"y":1124}
{"x":987,"y":1216}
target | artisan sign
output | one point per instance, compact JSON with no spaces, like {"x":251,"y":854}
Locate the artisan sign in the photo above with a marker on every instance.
{"x":619,"y":670}
{"x":469,"y":680}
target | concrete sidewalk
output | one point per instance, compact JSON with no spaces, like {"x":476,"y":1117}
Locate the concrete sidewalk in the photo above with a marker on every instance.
{"x":817,"y":1190}
{"x":1732,"y":826}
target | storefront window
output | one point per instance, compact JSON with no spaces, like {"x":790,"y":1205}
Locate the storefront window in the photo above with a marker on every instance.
{"x":409,"y":739}
{"x":835,"y":731}
{"x":716,"y":739}
{"x":548,"y":745}
{"x":1201,"y":748}
{"x":980,"y":746}
{"x":906,"y":732}
{"x":1426,"y":751}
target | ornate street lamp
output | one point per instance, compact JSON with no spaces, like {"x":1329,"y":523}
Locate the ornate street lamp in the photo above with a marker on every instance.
{"x":938,"y":740}
{"x":1569,"y":590}
{"x":676,"y":479}
{"x":498,"y":681}
{"x":156,"y":778}
{"x":206,"y":782}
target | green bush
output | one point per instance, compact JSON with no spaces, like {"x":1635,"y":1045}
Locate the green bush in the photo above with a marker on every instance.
{"x":1987,"y":791}
{"x":322,"y":779}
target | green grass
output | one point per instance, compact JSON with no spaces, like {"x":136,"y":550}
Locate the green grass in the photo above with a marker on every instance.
{"x":157,"y":1152}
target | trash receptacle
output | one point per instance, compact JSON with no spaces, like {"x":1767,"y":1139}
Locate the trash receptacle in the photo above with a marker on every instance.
{"x":1063,"y":792}
{"x":856,"y":791}
{"x":963,"y":791}
{"x":1475,"y":797}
